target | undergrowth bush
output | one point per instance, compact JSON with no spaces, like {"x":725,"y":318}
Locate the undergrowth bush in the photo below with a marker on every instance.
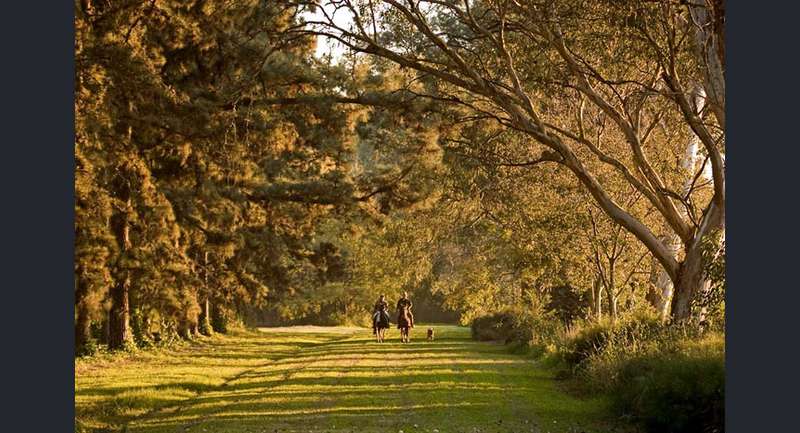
{"x":667,"y":378}
{"x":681,"y":390}
{"x":523,"y":331}
{"x":90,"y":348}
{"x":599,"y":337}
{"x":494,"y":327}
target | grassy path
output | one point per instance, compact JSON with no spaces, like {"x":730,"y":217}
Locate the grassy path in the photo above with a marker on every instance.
{"x":309,"y":379}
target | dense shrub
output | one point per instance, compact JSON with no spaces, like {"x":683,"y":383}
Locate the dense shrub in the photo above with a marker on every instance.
{"x":525,"y":331}
{"x":91,"y":347}
{"x":498,"y":326}
{"x":673,"y":392}
{"x":596,"y":338}
{"x":667,"y":378}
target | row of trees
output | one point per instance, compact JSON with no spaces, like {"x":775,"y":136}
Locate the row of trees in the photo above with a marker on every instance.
{"x":201,"y":186}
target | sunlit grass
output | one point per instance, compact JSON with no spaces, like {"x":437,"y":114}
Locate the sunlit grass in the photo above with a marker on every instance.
{"x":328,"y":380}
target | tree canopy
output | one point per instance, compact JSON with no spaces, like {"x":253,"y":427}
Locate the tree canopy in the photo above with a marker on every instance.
{"x":565,"y":156}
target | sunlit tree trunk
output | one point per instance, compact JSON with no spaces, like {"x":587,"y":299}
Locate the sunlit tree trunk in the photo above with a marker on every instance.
{"x":205,"y":318}
{"x":597,"y":299}
{"x":611,"y":292}
{"x":691,"y":277}
{"x":205,"y":312}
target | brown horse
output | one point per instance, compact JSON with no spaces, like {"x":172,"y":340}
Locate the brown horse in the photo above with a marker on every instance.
{"x":404,"y":323}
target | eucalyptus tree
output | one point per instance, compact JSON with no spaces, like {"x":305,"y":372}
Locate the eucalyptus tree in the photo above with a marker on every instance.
{"x":590,"y":84}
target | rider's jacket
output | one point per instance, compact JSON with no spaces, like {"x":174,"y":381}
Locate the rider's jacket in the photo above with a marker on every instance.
{"x":381,"y":306}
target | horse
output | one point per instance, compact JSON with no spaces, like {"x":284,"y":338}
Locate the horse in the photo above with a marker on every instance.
{"x":404,"y":324}
{"x":380,"y":323}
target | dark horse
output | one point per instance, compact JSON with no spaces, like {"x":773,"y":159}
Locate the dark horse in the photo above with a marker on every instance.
{"x":380,"y":319}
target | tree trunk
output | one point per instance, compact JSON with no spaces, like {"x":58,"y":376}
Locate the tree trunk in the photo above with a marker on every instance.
{"x":612,"y":305}
{"x":611,"y":290}
{"x":119,"y":317}
{"x":690,"y":279}
{"x":661,"y":287}
{"x":205,"y":319}
{"x":185,"y":329}
{"x":691,"y":272}
{"x":205,"y":313}
{"x":82,"y":328}
{"x":597,"y":299}
{"x":82,"y":322}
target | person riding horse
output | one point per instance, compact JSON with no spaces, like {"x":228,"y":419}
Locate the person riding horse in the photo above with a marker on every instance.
{"x":380,"y":317}
{"x":405,"y":319}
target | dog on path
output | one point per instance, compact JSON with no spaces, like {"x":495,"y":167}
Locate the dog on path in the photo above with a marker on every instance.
{"x":430,"y":334}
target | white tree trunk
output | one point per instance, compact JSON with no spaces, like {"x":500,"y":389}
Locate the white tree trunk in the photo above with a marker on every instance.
{"x":659,"y":279}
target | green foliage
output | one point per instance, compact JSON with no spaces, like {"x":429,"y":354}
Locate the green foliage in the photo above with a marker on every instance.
{"x":712,"y":300}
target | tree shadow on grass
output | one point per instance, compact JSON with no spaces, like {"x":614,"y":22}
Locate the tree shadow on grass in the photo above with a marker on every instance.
{"x":332,"y":384}
{"x":349,"y":383}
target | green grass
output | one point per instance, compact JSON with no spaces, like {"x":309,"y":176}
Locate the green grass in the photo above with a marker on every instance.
{"x":312,"y":379}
